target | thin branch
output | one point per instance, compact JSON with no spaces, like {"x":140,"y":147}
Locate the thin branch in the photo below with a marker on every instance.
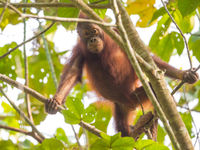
{"x":21,"y":131}
{"x":43,"y":99}
{"x":21,"y":114}
{"x":37,"y":35}
{"x":77,"y":138}
{"x":12,"y":8}
{"x":193,"y":110}
{"x":90,"y":128}
{"x":3,"y":11}
{"x":182,"y":82}
{"x":51,"y":5}
{"x":27,"y":98}
{"x":197,"y":139}
{"x":62,"y":19}
{"x":25,"y":89}
{"x":184,"y":38}
{"x":98,"y":1}
{"x":15,"y":129}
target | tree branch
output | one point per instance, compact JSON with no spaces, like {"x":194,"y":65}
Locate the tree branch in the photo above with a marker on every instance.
{"x":22,"y":114}
{"x":43,"y":99}
{"x":53,"y":5}
{"x":6,"y":54}
{"x":22,"y":131}
{"x":27,"y":97}
{"x":61,"y":19}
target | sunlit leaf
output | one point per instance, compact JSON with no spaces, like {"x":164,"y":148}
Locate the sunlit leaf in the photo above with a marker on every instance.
{"x":143,"y":8}
{"x":149,"y":145}
{"x":186,"y":23}
{"x":9,"y":17}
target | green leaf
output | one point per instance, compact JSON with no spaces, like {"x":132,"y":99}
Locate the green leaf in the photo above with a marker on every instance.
{"x":68,"y":13}
{"x":158,"y":13}
{"x":60,"y":135}
{"x":8,"y":145}
{"x":160,"y":32}
{"x":71,"y":117}
{"x":149,"y":145}
{"x":186,"y":23}
{"x":100,"y":144}
{"x":161,"y":133}
{"x":89,"y":114}
{"x":168,"y":44}
{"x":115,"y":142}
{"x":11,"y":65}
{"x":9,"y":17}
{"x":187,"y":6}
{"x":12,"y":116}
{"x":115,"y":137}
{"x":187,"y":119}
{"x":105,"y":137}
{"x":100,"y":12}
{"x":194,"y":42}
{"x":53,"y":143}
{"x":124,"y":143}
{"x":75,"y":106}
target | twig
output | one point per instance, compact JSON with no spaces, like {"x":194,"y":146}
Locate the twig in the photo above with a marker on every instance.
{"x":3,"y":11}
{"x":62,"y":19}
{"x":77,"y":138}
{"x":27,"y":98}
{"x":21,"y":131}
{"x":197,"y":138}
{"x":22,"y":114}
{"x":182,"y":82}
{"x":6,"y":54}
{"x":51,"y":5}
{"x":183,"y":107}
{"x":25,"y":89}
{"x":184,"y":38}
{"x":90,"y":128}
{"x":98,"y":1}
{"x":12,"y":7}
